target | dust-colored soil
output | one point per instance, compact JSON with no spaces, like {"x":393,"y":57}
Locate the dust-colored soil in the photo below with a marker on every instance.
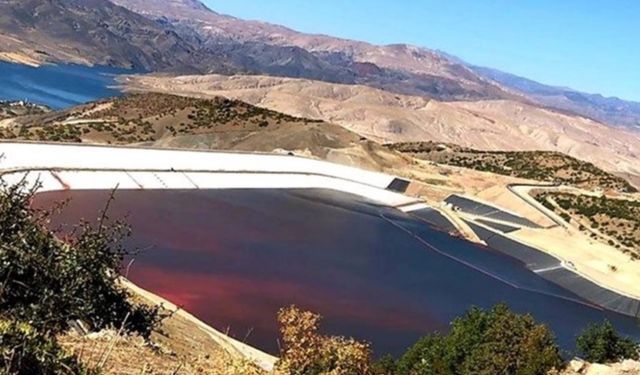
{"x":613,"y":220}
{"x":386,"y":117}
{"x":179,"y":346}
{"x":549,"y":166}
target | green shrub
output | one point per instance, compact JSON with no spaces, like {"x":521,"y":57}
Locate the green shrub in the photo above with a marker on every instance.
{"x":386,"y":365}
{"x":601,"y":343}
{"x":429,"y":356}
{"x":26,"y":351}
{"x":491,"y":342}
{"x":49,"y":282}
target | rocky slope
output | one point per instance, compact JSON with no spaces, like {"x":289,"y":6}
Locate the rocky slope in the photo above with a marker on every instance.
{"x":91,"y":32}
{"x":101,"y":32}
{"x":388,"y":117}
{"x":400,"y":68}
{"x":185,"y":36}
{"x":609,"y":110}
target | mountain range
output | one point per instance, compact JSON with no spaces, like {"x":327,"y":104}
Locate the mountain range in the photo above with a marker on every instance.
{"x":184,"y":36}
{"x":409,"y":69}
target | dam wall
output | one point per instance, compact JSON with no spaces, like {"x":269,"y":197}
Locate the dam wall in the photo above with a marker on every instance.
{"x":60,"y":167}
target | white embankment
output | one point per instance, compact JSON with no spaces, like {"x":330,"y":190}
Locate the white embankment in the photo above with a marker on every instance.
{"x":59,"y":167}
{"x":64,"y":167}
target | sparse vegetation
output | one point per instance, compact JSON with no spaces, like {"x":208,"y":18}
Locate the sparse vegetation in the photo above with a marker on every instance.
{"x":147,"y":117}
{"x":546,"y":166}
{"x":615,"y":221}
{"x":10,"y":109}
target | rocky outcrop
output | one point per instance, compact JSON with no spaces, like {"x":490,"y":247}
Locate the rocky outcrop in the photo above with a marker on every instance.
{"x":579,"y":367}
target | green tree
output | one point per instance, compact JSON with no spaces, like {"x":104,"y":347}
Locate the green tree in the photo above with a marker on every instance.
{"x":386,"y":365}
{"x":428,"y":356}
{"x":601,"y":343}
{"x":494,"y":342}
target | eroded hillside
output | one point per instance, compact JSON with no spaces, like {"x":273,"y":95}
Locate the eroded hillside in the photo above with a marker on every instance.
{"x":498,"y":125}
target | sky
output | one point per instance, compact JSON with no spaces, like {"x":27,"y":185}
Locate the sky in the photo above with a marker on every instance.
{"x":588,"y":45}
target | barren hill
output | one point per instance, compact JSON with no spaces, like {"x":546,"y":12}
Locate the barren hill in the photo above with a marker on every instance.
{"x":399,"y":68}
{"x":174,"y":121}
{"x":388,"y":117}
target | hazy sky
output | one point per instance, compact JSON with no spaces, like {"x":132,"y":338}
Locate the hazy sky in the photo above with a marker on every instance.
{"x":589,"y":45}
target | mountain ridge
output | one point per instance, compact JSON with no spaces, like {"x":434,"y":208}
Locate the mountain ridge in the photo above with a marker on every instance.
{"x":187,"y":37}
{"x":405,"y":57}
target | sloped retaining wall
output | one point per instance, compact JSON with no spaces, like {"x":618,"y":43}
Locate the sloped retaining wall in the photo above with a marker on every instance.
{"x":59,"y":167}
{"x":552,"y":269}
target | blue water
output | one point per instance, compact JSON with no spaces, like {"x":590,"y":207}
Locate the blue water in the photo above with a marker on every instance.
{"x":57,"y":86}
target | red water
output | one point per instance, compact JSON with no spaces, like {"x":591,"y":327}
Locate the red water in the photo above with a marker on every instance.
{"x":234,"y":257}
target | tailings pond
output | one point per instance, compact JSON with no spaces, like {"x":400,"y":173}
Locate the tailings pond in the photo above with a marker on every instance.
{"x":234,"y":257}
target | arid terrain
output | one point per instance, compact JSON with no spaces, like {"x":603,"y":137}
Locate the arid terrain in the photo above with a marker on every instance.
{"x":544,"y":166}
{"x":399,"y":68}
{"x":187,"y":37}
{"x":614,"y":220}
{"x":557,"y":167}
{"x":14,"y":109}
{"x":498,"y":125}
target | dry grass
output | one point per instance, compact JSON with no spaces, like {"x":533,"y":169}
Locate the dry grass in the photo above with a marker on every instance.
{"x":182,"y":349}
{"x":179,"y":346}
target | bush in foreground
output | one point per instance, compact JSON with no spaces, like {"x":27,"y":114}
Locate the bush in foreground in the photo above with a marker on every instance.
{"x":497,"y":341}
{"x":24,"y":350}
{"x":601,"y":343}
{"x":48,"y":282}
